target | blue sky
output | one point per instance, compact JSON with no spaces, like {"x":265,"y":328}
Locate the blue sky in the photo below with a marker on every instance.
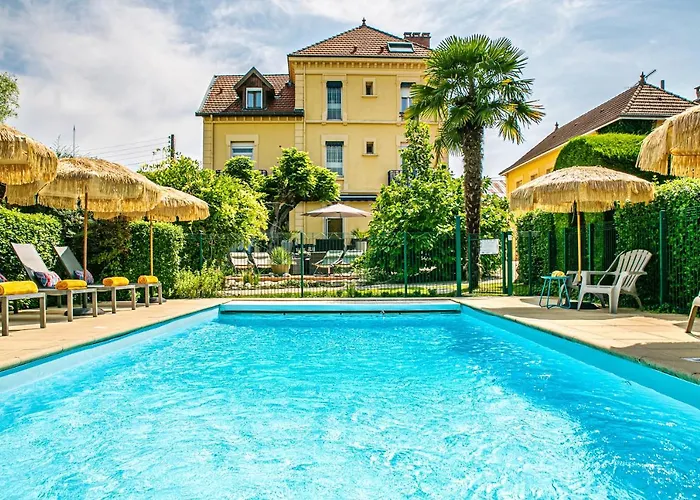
{"x":132,"y":72}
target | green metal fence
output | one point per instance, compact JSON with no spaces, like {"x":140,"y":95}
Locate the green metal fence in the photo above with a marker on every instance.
{"x":408,"y":264}
{"x":673,"y":238}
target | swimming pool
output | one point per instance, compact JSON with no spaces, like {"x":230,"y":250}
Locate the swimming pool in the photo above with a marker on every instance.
{"x":356,"y":405}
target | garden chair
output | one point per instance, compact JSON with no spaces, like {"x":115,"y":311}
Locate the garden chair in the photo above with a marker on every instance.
{"x":73,"y":267}
{"x":349,"y":259}
{"x":261,"y":260}
{"x":624,"y":271}
{"x":693,"y":312}
{"x":32,"y":262}
{"x":240,"y":260}
{"x":330,"y":261}
{"x":17,"y":290}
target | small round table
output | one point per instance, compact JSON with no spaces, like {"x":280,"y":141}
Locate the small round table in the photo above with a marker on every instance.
{"x":560,"y":281}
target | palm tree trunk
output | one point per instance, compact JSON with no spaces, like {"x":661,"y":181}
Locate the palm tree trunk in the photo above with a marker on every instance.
{"x":472,"y":151}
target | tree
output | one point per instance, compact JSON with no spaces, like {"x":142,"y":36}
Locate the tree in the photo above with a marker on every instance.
{"x":9,"y":96}
{"x":473,"y":84}
{"x":237,"y":213}
{"x":294,"y":180}
{"x":242,"y":168}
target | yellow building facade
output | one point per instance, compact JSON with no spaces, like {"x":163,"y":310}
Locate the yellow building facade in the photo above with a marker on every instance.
{"x":342,"y":101}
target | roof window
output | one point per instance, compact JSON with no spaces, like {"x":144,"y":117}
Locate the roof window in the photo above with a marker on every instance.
{"x":400,"y":47}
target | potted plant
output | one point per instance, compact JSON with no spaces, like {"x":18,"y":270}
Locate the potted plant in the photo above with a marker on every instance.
{"x":359,"y":239}
{"x":288,"y":240}
{"x":281,"y":260}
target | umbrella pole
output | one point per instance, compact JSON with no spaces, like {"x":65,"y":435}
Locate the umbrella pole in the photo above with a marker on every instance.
{"x":150,"y":227}
{"x":578,"y":232}
{"x":85,"y":231}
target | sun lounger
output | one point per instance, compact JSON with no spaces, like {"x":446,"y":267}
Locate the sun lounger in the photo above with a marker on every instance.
{"x":71,"y":264}
{"x":5,"y":299}
{"x":624,"y":271}
{"x":261,"y":260}
{"x":349,"y":259}
{"x":32,"y":262}
{"x":240,"y":260}
{"x":330,"y":260}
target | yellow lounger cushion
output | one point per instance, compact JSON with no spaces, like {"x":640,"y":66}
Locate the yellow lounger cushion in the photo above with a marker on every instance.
{"x":115,"y":281}
{"x":18,"y":287}
{"x":148,"y":280}
{"x":71,"y":285}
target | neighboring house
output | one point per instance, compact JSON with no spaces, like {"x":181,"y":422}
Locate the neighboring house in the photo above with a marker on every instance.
{"x":642,"y":104}
{"x":342,"y":101}
{"x":497,"y":187}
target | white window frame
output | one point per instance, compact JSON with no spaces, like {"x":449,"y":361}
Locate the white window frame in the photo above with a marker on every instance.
{"x":253,"y":90}
{"x":325,"y":226}
{"x":405,"y":47}
{"x":405,"y":88}
{"x":332,"y":166}
{"x":243,"y":145}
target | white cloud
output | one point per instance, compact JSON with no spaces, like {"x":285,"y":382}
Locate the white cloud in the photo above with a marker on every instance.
{"x":127,"y":71}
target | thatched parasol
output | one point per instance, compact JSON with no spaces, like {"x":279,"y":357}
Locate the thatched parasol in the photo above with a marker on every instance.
{"x":101,"y":185}
{"x":583,"y":189}
{"x":174,"y":205}
{"x":674,"y":147}
{"x":24,"y":160}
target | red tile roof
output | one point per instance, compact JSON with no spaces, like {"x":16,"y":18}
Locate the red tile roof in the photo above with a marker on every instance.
{"x":222,"y":99}
{"x":363,"y":41}
{"x":643,"y":100}
{"x":497,"y":187}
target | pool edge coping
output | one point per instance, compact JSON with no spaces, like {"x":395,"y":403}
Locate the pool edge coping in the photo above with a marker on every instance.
{"x":94,"y":341}
{"x":641,"y":361}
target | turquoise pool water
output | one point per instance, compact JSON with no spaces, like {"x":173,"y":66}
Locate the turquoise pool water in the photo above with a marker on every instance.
{"x":352,"y":406}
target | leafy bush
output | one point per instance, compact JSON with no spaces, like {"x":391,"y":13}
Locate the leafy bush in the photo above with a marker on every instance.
{"x":42,"y":231}
{"x":209,"y":282}
{"x":614,"y":151}
{"x":534,"y":228}
{"x":638,"y":227}
{"x":168,"y":241}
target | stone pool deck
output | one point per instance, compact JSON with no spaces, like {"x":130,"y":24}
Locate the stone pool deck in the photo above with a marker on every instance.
{"x":28,"y":342}
{"x":656,"y":340}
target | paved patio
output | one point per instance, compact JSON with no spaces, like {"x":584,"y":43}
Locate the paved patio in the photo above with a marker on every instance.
{"x":27,"y":341}
{"x":657,"y":340}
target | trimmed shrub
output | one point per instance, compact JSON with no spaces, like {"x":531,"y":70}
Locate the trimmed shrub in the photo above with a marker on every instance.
{"x":168,"y":242}
{"x":638,"y":227}
{"x":533,"y":228}
{"x":209,"y":282}
{"x":614,"y":151}
{"x":42,"y":231}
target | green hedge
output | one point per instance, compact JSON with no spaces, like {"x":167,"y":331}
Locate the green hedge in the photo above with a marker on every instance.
{"x":533,"y":231}
{"x":16,"y":227}
{"x":615,"y":151}
{"x":638,"y":227}
{"x":168,"y":242}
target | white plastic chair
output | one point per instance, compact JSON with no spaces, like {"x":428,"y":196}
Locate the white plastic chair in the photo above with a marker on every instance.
{"x":693,"y":312}
{"x":628,"y":267}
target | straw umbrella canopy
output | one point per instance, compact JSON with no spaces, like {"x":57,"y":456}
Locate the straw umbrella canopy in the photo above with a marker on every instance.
{"x":338,"y":211}
{"x":674,"y":147}
{"x":24,"y":160}
{"x":174,"y":205}
{"x":102,"y":187}
{"x":583,"y":189}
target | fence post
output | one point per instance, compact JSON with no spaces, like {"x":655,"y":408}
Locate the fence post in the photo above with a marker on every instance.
{"x":201,"y":252}
{"x":591,"y":247}
{"x":529,"y":262}
{"x":302,"y":263}
{"x":663,"y":256}
{"x":470,"y":274}
{"x":504,"y":270}
{"x":458,"y":254}
{"x":552,"y":251}
{"x":566,"y":248}
{"x":509,"y":244}
{"x":405,"y":264}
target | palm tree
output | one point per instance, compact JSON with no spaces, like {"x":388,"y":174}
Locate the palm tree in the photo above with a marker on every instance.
{"x":473,"y":84}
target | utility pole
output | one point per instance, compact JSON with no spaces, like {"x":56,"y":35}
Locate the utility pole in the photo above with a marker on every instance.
{"x":172,"y":146}
{"x":73,"y":153}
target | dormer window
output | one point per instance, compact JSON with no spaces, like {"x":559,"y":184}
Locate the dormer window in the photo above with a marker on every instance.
{"x":406,"y":47}
{"x":253,"y":98}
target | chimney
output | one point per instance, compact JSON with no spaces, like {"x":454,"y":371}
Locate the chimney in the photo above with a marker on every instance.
{"x":663,"y":84}
{"x":417,"y":37}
